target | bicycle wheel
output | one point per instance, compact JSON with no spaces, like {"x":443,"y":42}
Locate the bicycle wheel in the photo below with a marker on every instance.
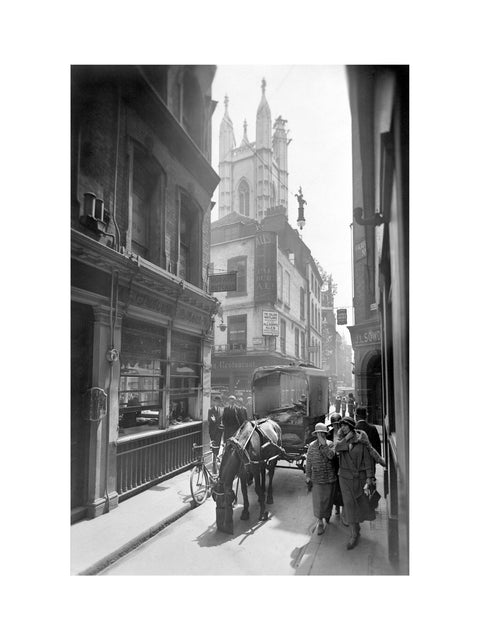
{"x":199,"y":484}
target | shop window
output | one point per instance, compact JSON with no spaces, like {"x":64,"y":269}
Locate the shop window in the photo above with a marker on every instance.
{"x":190,"y":237}
{"x":142,"y":375}
{"x":283,"y":336}
{"x":244,"y":198}
{"x":185,"y":379}
{"x":238,"y":264}
{"x":237,"y":333}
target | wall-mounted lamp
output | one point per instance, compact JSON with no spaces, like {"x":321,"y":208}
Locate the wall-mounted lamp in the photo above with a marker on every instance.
{"x":301,"y":203}
{"x":376,"y":220}
{"x":222,"y":326}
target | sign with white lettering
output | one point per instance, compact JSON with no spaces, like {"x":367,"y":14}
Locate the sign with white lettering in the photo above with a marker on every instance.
{"x":270,"y":323}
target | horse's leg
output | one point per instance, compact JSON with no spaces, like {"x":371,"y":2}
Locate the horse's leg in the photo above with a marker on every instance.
{"x":220,"y":506}
{"x":228,"y":520}
{"x":260,"y":491}
{"x":271,"y":472}
{"x":245,"y":513}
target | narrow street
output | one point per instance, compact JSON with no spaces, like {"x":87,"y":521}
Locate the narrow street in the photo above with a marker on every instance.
{"x":192,"y":545}
{"x":283,"y":545}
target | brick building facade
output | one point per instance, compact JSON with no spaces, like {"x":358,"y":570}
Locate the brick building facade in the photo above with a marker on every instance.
{"x":141,"y":187}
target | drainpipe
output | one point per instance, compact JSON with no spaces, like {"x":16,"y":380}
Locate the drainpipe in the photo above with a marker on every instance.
{"x":114,"y":212}
{"x":112,"y":356}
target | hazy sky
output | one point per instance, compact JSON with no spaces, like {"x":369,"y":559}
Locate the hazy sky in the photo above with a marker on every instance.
{"x":314,"y":101}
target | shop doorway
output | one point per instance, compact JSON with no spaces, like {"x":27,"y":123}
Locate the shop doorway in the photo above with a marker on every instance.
{"x":81,"y":380}
{"x":374,"y":386}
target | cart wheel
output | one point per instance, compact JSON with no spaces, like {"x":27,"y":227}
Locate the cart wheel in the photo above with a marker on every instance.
{"x":199,"y":484}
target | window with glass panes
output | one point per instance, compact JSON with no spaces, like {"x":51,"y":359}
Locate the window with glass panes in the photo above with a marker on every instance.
{"x":185,"y":378}
{"x":237,"y":332}
{"x":142,"y":374}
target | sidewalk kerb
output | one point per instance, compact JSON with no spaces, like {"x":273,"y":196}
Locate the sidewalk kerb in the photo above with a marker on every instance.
{"x":135,"y":542}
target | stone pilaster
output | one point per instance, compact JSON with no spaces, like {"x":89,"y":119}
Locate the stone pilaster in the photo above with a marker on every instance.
{"x":102,"y":495}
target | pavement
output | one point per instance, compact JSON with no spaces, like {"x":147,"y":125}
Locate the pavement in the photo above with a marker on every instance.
{"x":96,"y":544}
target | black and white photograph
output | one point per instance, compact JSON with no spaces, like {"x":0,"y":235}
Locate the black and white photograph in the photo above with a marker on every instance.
{"x":240,"y":403}
{"x":240,"y":320}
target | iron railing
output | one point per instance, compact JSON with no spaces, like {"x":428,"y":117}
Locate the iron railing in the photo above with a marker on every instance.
{"x":144,"y":461}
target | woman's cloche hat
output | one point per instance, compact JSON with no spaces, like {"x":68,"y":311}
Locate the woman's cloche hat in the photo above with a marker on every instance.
{"x":320,"y":428}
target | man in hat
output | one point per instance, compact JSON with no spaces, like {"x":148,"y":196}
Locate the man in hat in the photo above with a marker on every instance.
{"x":321,"y":476}
{"x":370,"y":430}
{"x":215,"y":429}
{"x":232,"y":418}
{"x":242,"y":408}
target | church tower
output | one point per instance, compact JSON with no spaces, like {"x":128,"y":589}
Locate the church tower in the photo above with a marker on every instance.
{"x":254,"y":175}
{"x":265,"y":191}
{"x":227,"y":145}
{"x":280,"y":144}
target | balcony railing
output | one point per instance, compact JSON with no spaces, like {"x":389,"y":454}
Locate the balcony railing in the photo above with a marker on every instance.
{"x":144,"y":461}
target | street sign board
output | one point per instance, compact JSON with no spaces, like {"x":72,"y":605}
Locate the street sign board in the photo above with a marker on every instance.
{"x":270,"y":323}
{"x":222,"y":282}
{"x":341,"y":316}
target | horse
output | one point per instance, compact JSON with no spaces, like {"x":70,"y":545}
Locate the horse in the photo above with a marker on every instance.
{"x":254,"y":447}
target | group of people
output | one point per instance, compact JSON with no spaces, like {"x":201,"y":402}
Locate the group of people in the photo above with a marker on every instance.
{"x":344,"y":403}
{"x":340,"y":464}
{"x":225,"y":421}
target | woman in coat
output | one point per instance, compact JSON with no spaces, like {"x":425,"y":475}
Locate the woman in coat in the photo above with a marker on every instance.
{"x":320,"y":476}
{"x":356,"y":468}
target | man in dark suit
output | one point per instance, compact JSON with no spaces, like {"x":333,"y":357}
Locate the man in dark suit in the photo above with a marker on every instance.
{"x":233,"y":418}
{"x":215,"y":429}
{"x":370,"y":430}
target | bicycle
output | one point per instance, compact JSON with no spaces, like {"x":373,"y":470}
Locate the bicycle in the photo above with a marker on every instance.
{"x":202,"y":480}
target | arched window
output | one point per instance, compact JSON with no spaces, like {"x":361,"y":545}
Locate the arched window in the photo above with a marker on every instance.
{"x":244,"y":198}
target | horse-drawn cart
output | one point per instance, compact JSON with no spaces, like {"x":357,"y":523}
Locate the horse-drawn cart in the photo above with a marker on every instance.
{"x":296,"y":398}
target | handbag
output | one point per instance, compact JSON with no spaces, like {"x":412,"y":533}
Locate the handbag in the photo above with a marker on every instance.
{"x":373,"y":498}
{"x":365,"y":512}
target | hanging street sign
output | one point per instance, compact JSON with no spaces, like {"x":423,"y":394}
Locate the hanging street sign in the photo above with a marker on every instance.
{"x":222,"y":282}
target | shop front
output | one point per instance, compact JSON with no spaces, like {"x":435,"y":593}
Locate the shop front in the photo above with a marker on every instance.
{"x":141,"y":338}
{"x":368,"y":368}
{"x":232,"y":374}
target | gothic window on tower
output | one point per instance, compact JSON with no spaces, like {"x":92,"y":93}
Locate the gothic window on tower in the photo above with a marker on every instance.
{"x":244,"y":198}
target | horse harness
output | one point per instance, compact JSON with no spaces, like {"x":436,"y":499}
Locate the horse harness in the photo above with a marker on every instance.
{"x":240,"y":445}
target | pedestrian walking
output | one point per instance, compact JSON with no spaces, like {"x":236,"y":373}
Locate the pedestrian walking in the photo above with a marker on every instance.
{"x":338,"y":402}
{"x":344,"y":406}
{"x":232,"y":418}
{"x":356,"y":469}
{"x":351,"y":405}
{"x":333,"y":437}
{"x":370,"y":430}
{"x":242,"y":408}
{"x":215,"y":429}
{"x":320,"y":475}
